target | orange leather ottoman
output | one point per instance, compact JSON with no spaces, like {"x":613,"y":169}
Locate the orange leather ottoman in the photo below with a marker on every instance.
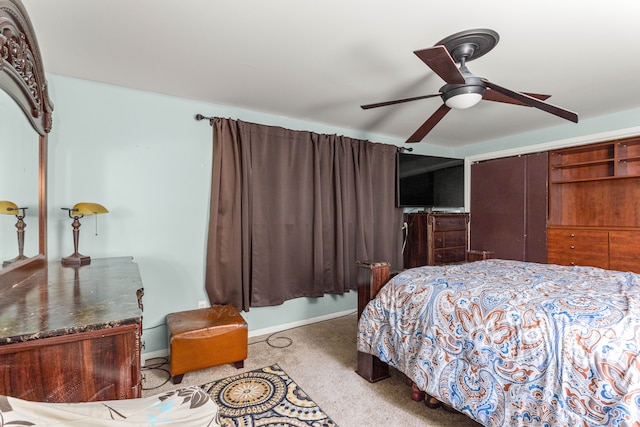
{"x":204,"y":338}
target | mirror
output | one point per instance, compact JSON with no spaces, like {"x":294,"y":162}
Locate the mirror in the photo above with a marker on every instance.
{"x":19,"y":163}
{"x":26,"y":114}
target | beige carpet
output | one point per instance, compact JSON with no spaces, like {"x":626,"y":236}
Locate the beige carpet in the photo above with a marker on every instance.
{"x":321,"y":358}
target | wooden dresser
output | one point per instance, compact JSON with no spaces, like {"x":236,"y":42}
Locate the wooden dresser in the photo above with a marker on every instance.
{"x":436,"y":238}
{"x":594,"y":205}
{"x":72,"y":334}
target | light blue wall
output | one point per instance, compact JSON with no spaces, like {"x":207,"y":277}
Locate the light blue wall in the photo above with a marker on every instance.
{"x":564,"y":131}
{"x":144,"y":157}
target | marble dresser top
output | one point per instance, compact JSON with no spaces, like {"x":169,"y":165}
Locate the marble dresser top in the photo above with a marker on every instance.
{"x":60,"y":300}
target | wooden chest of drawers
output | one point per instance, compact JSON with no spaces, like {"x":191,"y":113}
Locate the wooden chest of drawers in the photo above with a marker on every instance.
{"x":436,"y":238}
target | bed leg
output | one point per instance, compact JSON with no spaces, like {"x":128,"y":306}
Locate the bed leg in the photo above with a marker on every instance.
{"x":371,"y":368}
{"x":416,"y":394}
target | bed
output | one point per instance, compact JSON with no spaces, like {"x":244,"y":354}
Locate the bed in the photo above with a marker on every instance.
{"x":513,"y":343}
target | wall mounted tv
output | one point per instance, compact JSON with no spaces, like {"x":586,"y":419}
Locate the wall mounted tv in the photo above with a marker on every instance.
{"x":429,"y":181}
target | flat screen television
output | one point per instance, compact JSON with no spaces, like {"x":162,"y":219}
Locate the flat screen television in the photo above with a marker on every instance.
{"x":430,"y":182}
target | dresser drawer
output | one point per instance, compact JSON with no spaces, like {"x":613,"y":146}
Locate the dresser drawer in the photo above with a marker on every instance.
{"x":447,"y":239}
{"x":447,"y":255}
{"x":447,"y":223}
{"x":563,"y":258}
{"x":583,"y":241}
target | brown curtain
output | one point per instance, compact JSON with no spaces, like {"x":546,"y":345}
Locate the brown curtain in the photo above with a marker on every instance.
{"x":292,"y":211}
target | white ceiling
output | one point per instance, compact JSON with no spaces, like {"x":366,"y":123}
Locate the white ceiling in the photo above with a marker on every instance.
{"x":320,"y":60}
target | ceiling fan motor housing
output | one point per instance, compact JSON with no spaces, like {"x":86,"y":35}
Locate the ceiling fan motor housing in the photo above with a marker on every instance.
{"x":472,"y":85}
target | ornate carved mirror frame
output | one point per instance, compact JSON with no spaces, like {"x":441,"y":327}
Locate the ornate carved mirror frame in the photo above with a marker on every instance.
{"x":22,"y":78}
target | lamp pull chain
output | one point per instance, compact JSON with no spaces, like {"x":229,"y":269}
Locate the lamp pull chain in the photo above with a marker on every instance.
{"x":96,"y":217}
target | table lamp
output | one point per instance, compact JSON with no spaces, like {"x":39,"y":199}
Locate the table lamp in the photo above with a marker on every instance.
{"x":78,"y":211}
{"x":10,"y":208}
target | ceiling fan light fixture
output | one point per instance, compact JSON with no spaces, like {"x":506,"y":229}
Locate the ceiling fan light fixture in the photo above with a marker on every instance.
{"x":463,"y":97}
{"x":463,"y":101}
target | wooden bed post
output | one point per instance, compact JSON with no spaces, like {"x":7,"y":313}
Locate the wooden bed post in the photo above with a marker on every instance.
{"x":371,"y":277}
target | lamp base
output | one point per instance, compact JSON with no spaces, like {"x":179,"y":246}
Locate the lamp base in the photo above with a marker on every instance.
{"x":16,"y":259}
{"x":76,"y":259}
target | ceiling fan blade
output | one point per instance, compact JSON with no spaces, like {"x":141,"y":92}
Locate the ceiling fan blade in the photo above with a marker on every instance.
{"x":397,"y":101}
{"x":426,"y":127}
{"x":533,"y":102}
{"x":440,"y":61}
{"x":492,"y":95}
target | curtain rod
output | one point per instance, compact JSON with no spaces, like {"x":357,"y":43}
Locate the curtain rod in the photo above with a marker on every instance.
{"x":201,"y":117}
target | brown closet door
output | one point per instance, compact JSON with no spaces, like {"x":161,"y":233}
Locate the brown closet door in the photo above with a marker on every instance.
{"x":508,"y":207}
{"x":536,"y":207}
{"x":497,"y":207}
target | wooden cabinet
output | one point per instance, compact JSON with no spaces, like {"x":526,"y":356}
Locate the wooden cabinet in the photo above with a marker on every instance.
{"x":594,"y":205}
{"x":72,"y":334}
{"x":436,"y":238}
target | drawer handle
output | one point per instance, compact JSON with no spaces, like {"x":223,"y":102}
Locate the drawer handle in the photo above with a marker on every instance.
{"x":572,"y":263}
{"x":439,"y":256}
{"x":439,"y":240}
{"x":572,"y":235}
{"x":572,"y":247}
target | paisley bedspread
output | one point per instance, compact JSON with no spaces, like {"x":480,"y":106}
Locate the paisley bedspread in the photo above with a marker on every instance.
{"x":514,"y":344}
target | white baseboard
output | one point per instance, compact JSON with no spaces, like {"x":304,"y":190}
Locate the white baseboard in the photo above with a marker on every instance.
{"x":264,"y":331}
{"x":153,"y":354}
{"x":296,"y":324}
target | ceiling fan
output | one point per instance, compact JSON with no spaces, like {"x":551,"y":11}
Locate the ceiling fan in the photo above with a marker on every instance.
{"x":463,"y":89}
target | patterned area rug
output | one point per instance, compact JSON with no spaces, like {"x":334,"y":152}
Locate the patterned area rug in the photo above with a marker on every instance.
{"x":266,"y":397}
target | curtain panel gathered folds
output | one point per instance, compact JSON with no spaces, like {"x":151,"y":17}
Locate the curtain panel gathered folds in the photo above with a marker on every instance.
{"x":292,"y":212}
